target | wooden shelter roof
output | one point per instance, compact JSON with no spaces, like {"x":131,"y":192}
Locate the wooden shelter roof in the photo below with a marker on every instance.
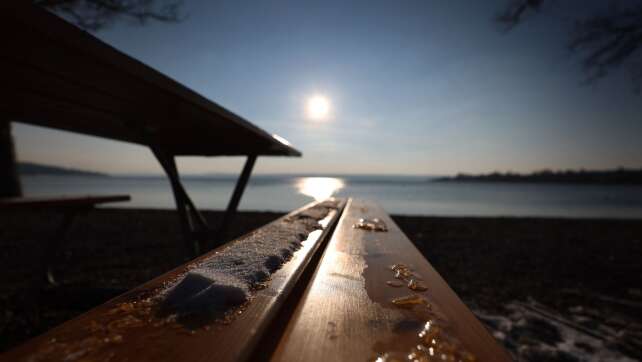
{"x":57,"y":75}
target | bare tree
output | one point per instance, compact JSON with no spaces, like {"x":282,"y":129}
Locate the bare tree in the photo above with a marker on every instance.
{"x":605,"y":41}
{"x":95,"y":14}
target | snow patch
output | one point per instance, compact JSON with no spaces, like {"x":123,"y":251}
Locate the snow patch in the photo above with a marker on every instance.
{"x":532,"y":332}
{"x":205,"y":292}
{"x":225,"y":279}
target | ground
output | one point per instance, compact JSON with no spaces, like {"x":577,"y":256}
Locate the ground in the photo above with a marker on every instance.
{"x":548,"y":289}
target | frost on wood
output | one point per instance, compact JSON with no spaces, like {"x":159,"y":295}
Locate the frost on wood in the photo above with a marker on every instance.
{"x":533,"y":332}
{"x":206,"y":293}
{"x":225,"y":279}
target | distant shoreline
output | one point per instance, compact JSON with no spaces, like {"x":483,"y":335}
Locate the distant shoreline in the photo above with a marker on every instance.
{"x":619,"y":176}
{"x":32,"y":169}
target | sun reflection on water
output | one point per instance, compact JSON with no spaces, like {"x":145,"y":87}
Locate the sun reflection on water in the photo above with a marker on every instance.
{"x":319,"y":188}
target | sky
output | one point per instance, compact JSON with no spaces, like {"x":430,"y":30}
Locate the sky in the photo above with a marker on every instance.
{"x":413,"y":87}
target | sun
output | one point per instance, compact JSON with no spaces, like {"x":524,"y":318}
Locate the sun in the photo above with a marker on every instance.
{"x":317,"y":108}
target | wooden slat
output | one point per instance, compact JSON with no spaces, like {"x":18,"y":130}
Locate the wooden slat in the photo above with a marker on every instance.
{"x":60,"y":202}
{"x":346,"y":314}
{"x":124,"y":329}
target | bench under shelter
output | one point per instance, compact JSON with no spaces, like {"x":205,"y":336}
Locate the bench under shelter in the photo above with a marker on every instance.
{"x":58,"y":76}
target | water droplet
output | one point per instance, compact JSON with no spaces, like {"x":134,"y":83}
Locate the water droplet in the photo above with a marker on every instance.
{"x":435,"y":345}
{"x":401,"y":271}
{"x":417,"y":286}
{"x":398,"y":275}
{"x":411,"y":299}
{"x":394,"y":283}
{"x":386,"y":357}
{"x":371,"y":225}
{"x":429,"y":333}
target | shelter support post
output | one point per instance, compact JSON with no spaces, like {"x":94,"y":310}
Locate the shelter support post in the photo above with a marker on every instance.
{"x":232,"y":206}
{"x":54,"y":245}
{"x":193,"y":224}
{"x":9,"y":179}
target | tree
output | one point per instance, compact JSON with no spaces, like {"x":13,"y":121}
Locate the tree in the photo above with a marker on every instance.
{"x":90,"y":15}
{"x":96,"y":14}
{"x":605,"y":41}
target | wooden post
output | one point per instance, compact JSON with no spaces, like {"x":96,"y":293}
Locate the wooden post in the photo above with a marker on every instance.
{"x":230,"y":212}
{"x":169,"y":166}
{"x":193,"y":223}
{"x":53,"y":246}
{"x":9,"y":178}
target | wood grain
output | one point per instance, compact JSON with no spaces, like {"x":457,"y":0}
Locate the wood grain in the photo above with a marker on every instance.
{"x":346,"y":313}
{"x":123,"y":329}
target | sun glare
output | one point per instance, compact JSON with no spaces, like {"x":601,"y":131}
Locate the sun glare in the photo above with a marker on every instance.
{"x":319,"y":188}
{"x":318,"y":108}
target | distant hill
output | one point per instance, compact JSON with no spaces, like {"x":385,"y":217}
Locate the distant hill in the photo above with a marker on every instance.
{"x":620,"y":176}
{"x":28,"y":168}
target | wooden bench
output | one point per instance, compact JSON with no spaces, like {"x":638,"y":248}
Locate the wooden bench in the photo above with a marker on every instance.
{"x":349,"y":310}
{"x":356,"y":290}
{"x":71,"y":207}
{"x":58,"y":76}
{"x":64,"y":202}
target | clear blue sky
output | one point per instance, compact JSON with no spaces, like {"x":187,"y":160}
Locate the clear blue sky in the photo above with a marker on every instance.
{"x":416,"y":87}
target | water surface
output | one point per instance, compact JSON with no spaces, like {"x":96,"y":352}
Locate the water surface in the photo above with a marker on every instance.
{"x":408,"y":195}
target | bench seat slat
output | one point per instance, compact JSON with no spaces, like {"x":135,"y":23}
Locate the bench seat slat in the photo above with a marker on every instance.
{"x":123,"y":329}
{"x":60,"y":202}
{"x":346,"y":313}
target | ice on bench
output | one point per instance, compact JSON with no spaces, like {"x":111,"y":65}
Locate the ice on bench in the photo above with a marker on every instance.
{"x":207,"y":292}
{"x":226,"y":279}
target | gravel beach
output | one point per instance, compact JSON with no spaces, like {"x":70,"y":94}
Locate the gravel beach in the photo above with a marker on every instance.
{"x":548,"y":289}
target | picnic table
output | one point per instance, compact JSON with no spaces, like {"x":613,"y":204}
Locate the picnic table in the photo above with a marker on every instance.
{"x":56,"y":75}
{"x":356,"y":289}
{"x":70,"y":207}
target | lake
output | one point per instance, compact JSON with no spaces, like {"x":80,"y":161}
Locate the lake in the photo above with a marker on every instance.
{"x":409,"y":195}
